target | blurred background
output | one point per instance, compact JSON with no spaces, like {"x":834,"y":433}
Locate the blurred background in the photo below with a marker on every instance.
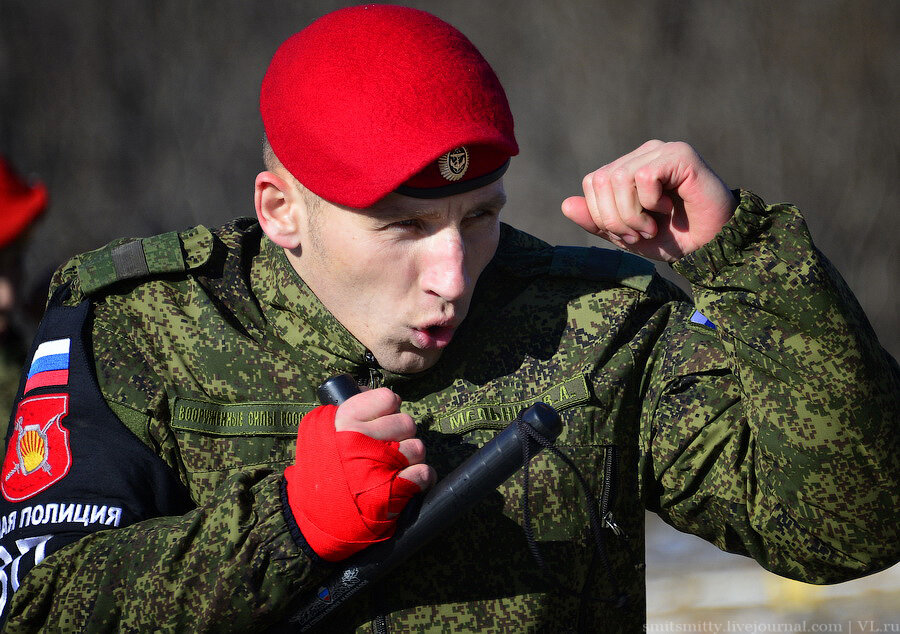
{"x":141,"y":117}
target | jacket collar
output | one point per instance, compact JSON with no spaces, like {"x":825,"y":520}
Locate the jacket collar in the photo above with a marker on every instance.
{"x":299,"y":319}
{"x":296,"y":316}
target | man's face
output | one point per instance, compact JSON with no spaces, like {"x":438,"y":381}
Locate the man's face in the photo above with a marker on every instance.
{"x":400,"y":275}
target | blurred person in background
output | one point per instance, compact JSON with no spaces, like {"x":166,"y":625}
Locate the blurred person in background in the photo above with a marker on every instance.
{"x":171,"y":470}
{"x":21,"y":204}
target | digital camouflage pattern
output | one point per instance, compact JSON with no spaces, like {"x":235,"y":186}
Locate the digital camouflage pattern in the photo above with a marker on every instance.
{"x":773,"y":434}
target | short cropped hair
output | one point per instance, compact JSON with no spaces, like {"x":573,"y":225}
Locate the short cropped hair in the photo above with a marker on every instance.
{"x":274,"y":165}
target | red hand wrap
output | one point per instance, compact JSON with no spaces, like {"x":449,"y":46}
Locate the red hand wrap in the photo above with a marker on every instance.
{"x":344,"y":488}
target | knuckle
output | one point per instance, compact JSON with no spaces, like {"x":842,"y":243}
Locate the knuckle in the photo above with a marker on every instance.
{"x":644,"y":175}
{"x":629,"y":217}
{"x":384,"y":393}
{"x":346,"y":417}
{"x":382,"y":400}
{"x":425,"y":474}
{"x":621,"y":177}
{"x":652,"y":144}
{"x":681,"y":148}
{"x":598,"y":179}
{"x":415,"y":451}
{"x":406,"y":425}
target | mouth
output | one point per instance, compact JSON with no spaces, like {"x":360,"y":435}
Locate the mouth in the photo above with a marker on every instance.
{"x":435,"y":336}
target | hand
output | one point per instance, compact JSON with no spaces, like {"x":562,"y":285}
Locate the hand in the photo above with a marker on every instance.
{"x":376,"y":413}
{"x":357,"y":466}
{"x":661,"y":201}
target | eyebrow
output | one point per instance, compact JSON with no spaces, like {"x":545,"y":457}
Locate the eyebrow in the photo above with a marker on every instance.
{"x":386,"y":211}
{"x":498,"y":200}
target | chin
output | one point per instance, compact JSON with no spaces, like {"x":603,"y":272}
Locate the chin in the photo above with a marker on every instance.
{"x":409,"y":362}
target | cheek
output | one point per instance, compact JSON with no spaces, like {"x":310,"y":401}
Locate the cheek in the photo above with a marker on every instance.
{"x":381,"y":271}
{"x":344,"y":257}
{"x":480,"y":250}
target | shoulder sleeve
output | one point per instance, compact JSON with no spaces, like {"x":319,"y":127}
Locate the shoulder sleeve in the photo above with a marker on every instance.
{"x":522,"y":255}
{"x":771,"y":415}
{"x":70,"y":468}
{"x":230,"y":558}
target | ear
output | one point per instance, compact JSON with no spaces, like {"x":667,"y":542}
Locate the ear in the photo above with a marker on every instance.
{"x":277,"y":209}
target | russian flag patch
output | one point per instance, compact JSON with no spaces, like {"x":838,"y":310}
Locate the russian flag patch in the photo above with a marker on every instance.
{"x":50,"y":365}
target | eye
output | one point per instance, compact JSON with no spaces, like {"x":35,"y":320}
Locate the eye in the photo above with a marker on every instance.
{"x":482,"y":214}
{"x":411,"y":223}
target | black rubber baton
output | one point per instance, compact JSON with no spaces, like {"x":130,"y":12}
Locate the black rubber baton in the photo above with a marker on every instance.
{"x":446,"y":502}
{"x":337,"y":389}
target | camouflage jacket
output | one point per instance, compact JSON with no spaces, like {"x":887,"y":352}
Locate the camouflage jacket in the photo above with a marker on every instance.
{"x":769,"y":429}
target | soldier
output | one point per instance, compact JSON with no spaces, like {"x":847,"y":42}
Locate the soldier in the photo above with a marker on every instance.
{"x":171,"y":470}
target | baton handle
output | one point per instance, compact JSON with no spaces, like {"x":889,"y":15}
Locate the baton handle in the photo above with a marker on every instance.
{"x":337,"y":389}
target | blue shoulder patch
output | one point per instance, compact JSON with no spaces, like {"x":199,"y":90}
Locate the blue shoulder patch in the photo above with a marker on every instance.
{"x":699,"y":318}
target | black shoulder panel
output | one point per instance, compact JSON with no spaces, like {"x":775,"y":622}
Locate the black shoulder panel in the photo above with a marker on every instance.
{"x":71,"y":467}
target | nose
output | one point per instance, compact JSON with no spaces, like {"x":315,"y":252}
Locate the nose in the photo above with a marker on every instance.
{"x":444,"y":266}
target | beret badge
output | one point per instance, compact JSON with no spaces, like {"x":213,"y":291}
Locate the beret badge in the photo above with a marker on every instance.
{"x":453,"y":164}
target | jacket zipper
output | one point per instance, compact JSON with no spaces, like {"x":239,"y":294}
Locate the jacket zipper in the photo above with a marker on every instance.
{"x":376,"y":377}
{"x":608,"y":492}
{"x":608,"y":500}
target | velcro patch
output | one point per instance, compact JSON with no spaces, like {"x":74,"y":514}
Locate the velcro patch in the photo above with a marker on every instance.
{"x":241,"y":419}
{"x":133,"y":259}
{"x":561,"y":396}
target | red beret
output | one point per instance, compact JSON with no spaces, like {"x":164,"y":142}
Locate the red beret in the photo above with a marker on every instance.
{"x":20,"y":203}
{"x":369,"y":99}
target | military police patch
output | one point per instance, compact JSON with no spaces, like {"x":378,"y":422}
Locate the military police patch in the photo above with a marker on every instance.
{"x":453,"y":164}
{"x":38,"y":455}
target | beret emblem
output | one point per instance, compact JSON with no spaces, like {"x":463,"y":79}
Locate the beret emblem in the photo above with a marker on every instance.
{"x":453,"y":164}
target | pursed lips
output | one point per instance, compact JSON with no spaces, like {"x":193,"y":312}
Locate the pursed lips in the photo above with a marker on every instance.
{"x":434,"y":334}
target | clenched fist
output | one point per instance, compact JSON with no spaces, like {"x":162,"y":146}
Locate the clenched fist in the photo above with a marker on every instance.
{"x":661,"y":201}
{"x":357,"y":466}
